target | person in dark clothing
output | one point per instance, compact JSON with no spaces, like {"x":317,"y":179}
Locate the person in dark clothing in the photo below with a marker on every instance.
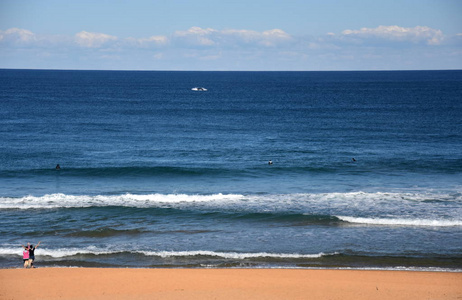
{"x":32,"y":254}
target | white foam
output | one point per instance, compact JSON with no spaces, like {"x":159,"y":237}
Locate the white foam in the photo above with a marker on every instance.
{"x":231,"y":255}
{"x":127,"y":200}
{"x":419,"y":209}
{"x":401,"y":222}
{"x":61,"y":253}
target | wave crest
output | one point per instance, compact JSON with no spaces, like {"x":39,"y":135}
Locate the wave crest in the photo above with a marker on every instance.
{"x":127,"y":200}
{"x":151,"y":200}
{"x":401,"y":222}
{"x":91,"y":250}
{"x":405,"y":209}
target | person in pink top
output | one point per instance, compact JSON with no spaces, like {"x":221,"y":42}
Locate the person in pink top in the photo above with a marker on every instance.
{"x":25,"y":256}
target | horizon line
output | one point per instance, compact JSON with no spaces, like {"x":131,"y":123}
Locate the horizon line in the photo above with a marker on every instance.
{"x":135,"y":70}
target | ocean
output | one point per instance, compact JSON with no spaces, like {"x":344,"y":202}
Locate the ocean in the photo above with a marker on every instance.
{"x":366,"y":169}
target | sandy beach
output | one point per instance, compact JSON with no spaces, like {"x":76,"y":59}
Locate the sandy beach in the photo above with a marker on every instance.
{"x":101,"y":283}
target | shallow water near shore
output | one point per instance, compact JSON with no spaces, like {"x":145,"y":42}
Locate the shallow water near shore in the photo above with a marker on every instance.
{"x":154,"y":174}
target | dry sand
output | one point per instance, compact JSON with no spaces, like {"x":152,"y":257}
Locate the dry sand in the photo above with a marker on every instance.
{"x":95,"y":283}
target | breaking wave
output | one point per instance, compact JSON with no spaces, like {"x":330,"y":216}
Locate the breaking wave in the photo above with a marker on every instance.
{"x":401,"y":222}
{"x":387,"y":209}
{"x":282,"y":200}
{"x":69,"y":252}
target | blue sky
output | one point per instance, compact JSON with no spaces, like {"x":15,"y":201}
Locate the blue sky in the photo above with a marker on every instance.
{"x":231,"y":35}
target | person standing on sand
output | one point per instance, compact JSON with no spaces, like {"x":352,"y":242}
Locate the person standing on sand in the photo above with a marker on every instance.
{"x":25,"y":256}
{"x":32,"y":254}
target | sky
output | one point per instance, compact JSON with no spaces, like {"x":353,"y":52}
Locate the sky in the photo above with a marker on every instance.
{"x":260,"y":35}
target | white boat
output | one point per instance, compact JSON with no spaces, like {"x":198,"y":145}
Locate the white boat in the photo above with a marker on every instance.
{"x":199,"y":89}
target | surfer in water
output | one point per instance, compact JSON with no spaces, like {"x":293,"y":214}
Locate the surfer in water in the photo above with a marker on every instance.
{"x":58,"y":167}
{"x":270,"y":162}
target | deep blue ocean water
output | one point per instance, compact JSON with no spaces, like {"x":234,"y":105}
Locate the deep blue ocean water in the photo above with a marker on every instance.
{"x":154,"y":174}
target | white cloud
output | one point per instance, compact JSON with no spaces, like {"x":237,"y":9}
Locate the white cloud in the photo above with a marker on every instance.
{"x":17,"y":35}
{"x":383,"y":47}
{"x":196,"y":36}
{"x":242,"y":35}
{"x":191,"y":38}
{"x":416,"y":34}
{"x":93,"y":39}
{"x":267,"y":38}
{"x":152,"y":41}
{"x":155,"y":39}
{"x":196,"y":31}
{"x":274,"y":36}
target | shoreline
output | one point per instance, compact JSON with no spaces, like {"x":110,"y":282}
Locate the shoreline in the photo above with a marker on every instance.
{"x":179,"y":267}
{"x":132,"y":283}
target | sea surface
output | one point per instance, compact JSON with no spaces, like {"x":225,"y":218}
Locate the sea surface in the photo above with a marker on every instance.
{"x":366,"y":172}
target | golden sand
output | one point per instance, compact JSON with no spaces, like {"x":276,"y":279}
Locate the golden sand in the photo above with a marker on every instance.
{"x":102,"y":283}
